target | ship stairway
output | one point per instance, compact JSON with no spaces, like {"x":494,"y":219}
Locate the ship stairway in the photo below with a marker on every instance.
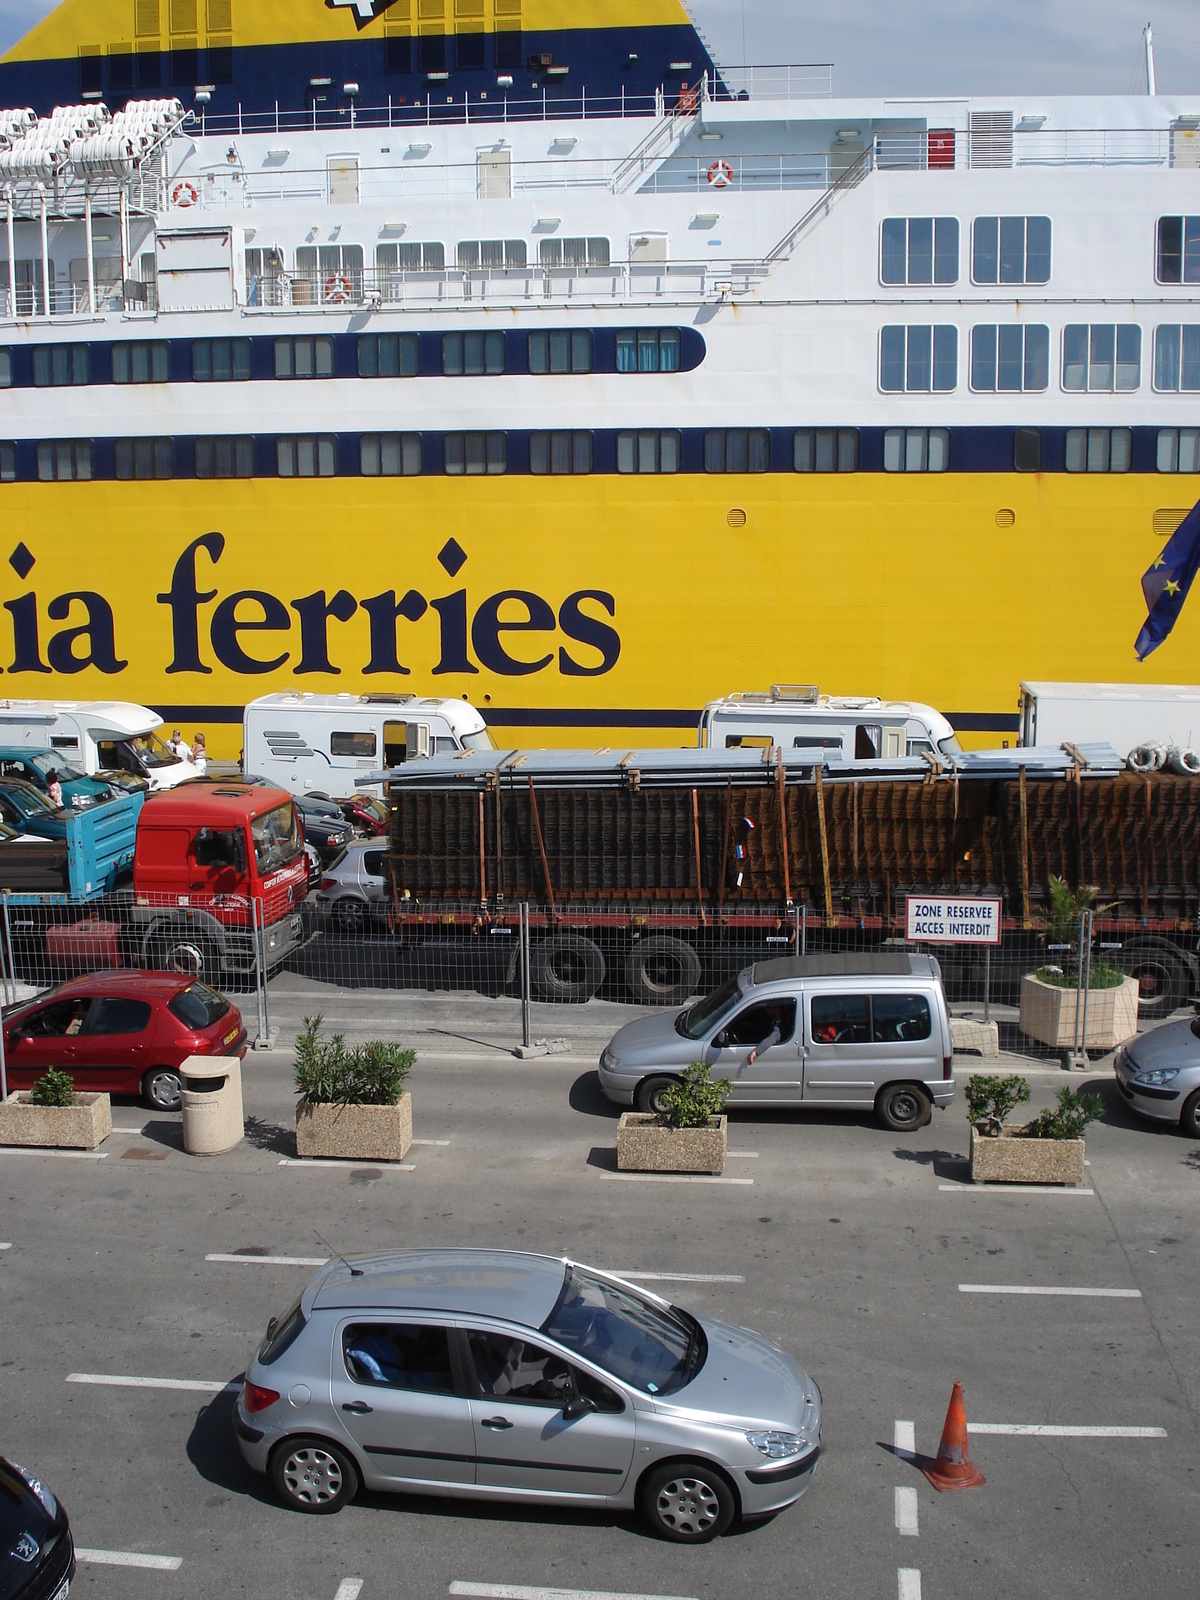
{"x":664,"y":137}
{"x":848,"y":179}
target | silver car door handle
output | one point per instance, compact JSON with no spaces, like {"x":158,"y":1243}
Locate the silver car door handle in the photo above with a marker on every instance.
{"x":499,"y":1423}
{"x":359,"y":1407}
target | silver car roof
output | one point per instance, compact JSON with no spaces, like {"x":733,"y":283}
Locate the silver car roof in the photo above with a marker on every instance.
{"x":506,"y":1284}
{"x":793,"y":968}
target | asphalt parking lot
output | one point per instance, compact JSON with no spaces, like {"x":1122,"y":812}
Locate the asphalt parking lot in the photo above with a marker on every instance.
{"x":867,"y":1254}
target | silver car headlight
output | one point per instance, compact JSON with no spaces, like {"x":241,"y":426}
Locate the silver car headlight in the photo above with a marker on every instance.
{"x":1155,"y":1077}
{"x":37,"y":1487}
{"x":778,"y":1446}
{"x":608,"y":1061}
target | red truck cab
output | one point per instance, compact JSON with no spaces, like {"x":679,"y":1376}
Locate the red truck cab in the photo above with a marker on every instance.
{"x":214,"y":860}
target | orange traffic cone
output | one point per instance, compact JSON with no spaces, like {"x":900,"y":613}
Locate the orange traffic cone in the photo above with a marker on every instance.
{"x":953,"y":1468}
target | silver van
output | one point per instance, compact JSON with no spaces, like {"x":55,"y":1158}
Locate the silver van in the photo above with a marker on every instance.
{"x":845,"y":1031}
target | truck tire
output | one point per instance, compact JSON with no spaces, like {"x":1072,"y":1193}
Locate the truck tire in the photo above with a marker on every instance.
{"x":1164,"y":981}
{"x":662,"y":971}
{"x":566,"y":967}
{"x":183,"y":950}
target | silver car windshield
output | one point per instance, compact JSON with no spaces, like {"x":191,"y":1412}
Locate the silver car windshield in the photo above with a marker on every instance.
{"x":647,"y":1346}
{"x":702,"y":1018}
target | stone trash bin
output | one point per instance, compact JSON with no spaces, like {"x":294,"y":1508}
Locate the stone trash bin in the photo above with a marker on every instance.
{"x":212,"y":1104}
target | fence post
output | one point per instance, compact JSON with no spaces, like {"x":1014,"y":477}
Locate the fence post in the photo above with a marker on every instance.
{"x":3,"y":1056}
{"x":11,"y":977}
{"x":1082,"y":985}
{"x":804,"y":928}
{"x":987,"y":980}
{"x":263,"y":1042}
{"x":525,"y":987}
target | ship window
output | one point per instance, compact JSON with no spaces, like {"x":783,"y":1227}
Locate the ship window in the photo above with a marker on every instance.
{"x":392,"y":261}
{"x":120,"y":70}
{"x":1178,"y":250}
{"x":307,"y":456}
{"x":560,"y":350}
{"x":220,"y":61}
{"x":397,"y":53}
{"x":509,"y":49}
{"x":916,"y":449}
{"x":825,"y":450}
{"x":389,"y":355}
{"x":648,"y":450}
{"x":144,"y":458}
{"x":1027,"y":450}
{"x":560,"y":452}
{"x":144,"y":362}
{"x":1102,"y":356}
{"x":918,"y":358}
{"x":220,"y":360}
{"x":91,"y":64}
{"x":1011,"y":250}
{"x":1099,"y":449}
{"x":472,"y":354}
{"x":491,"y":253}
{"x":264,"y":277}
{"x":185,"y":63}
{"x":225,"y":458}
{"x":57,"y":365}
{"x":1179,"y":449}
{"x":5,"y":369}
{"x":328,"y":275}
{"x":648,"y":350}
{"x":919,"y":250}
{"x":64,"y":460}
{"x":737,"y":450}
{"x":468,"y":51}
{"x":574,"y":253}
{"x":304,"y":358}
{"x":391,"y":455}
{"x":475,"y":454}
{"x":1010,"y":358}
{"x":1177,"y":356}
{"x":8,"y":463}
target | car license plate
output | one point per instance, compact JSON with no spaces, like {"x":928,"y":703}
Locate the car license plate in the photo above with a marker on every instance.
{"x":230,"y":1036}
{"x":64,"y":1591}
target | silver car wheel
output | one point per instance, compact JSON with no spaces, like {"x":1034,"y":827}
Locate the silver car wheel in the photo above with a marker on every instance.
{"x":163,"y":1088}
{"x":313,"y":1477}
{"x":688,"y":1506}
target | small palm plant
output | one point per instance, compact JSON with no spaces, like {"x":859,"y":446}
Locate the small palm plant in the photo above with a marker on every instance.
{"x":693,"y":1101}
{"x":54,"y":1088}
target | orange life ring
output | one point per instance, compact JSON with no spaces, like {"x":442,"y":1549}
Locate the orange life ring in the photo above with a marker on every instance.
{"x":688,"y":98}
{"x":185,"y":194}
{"x":720,"y":174}
{"x":338,"y":289}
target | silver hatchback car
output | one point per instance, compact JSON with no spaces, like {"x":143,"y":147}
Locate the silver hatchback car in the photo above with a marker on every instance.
{"x":353,"y":889}
{"x":1159,"y":1074}
{"x":495,"y":1375}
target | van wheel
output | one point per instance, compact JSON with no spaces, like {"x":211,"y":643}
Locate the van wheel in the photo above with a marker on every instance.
{"x":566,"y":967}
{"x":662,"y":971}
{"x":651,"y":1095}
{"x":903,"y":1107}
{"x":687,"y":1502}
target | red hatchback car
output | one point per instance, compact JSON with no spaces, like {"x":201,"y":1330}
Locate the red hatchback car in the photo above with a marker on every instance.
{"x":124,"y":1032}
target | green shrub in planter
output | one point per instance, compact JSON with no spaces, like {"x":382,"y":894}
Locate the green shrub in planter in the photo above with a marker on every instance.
{"x":54,"y":1088}
{"x":330,"y":1072}
{"x":1067,"y":1119}
{"x":991,"y":1100}
{"x":693,"y":1101}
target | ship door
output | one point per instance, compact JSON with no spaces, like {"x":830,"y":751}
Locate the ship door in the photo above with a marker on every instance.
{"x":494,"y":174}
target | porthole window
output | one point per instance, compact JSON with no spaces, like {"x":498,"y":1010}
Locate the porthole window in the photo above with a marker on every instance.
{"x":144,"y":361}
{"x":144,"y":458}
{"x":649,"y":450}
{"x":916,"y":449}
{"x":560,"y":452}
{"x":475,"y":455}
{"x":560,"y":350}
{"x":1099,"y":449}
{"x":1178,"y":450}
{"x":225,"y":458}
{"x":389,"y":355}
{"x":306,"y":456}
{"x":825,"y":450}
{"x":648,"y":350}
{"x":737,"y":450}
{"x":64,"y":460}
{"x":472,"y":354}
{"x":391,"y":455}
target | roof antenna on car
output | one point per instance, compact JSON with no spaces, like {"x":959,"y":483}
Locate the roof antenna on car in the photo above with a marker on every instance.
{"x":355,"y":1272}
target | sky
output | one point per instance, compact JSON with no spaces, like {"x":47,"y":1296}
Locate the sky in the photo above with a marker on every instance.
{"x":928,"y":47}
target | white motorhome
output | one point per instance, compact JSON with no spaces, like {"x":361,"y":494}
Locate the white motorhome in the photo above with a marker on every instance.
{"x":1124,"y":715}
{"x":328,"y":742}
{"x":834,"y":727}
{"x":96,"y":736}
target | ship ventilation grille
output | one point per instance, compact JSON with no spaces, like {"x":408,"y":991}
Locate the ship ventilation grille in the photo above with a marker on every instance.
{"x":991,"y":138}
{"x":1167,"y":518}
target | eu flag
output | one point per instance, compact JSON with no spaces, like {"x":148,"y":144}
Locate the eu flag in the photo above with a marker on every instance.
{"x":1167,"y":582}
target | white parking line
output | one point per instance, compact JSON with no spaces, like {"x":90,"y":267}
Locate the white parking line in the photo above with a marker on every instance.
{"x":680,"y":1277}
{"x":5,"y":1246}
{"x":908,"y":1583}
{"x":61,"y":1155}
{"x":440,"y":1143}
{"x":1029,"y":1288}
{"x":1055,"y":1430}
{"x":1009,"y":1188}
{"x":741,"y":1155}
{"x":669,"y":1177}
{"x":517,"y":1591}
{"x":270,"y":1261}
{"x":349,"y":1589}
{"x":375,"y":1166}
{"x":112,"y":1380}
{"x":905,"y":1440}
{"x":129,"y":1558}
{"x":906,"y":1512}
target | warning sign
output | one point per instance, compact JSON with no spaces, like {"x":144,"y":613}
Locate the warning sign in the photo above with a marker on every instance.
{"x":947,"y":919}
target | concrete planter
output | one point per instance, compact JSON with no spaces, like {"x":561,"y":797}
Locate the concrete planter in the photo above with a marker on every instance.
{"x":647,"y":1143}
{"x":81,"y":1126}
{"x":1048,"y":1014}
{"x":1011,"y":1159}
{"x":355,"y":1133}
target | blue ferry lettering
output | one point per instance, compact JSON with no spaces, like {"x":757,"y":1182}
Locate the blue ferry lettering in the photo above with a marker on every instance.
{"x":91,"y":642}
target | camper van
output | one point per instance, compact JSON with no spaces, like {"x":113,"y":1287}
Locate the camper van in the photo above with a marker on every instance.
{"x":833,"y":727}
{"x":330,"y":742}
{"x":96,"y":736}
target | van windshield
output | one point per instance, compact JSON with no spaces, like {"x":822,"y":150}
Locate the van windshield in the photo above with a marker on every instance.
{"x":147,"y":751}
{"x":950,"y":746}
{"x":481,"y":739}
{"x":703,"y":1017}
{"x":276,"y":836}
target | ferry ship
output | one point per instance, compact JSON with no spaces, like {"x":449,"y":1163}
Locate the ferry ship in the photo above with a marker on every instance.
{"x":521,"y":351}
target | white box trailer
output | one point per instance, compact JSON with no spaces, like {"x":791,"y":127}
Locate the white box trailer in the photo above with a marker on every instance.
{"x":1124,"y":715}
{"x":835,"y":727}
{"x":96,"y":736}
{"x":328,"y":742}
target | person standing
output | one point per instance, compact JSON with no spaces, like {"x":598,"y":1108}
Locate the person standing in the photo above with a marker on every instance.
{"x":180,"y":746}
{"x":53,"y":788}
{"x":200,"y":753}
